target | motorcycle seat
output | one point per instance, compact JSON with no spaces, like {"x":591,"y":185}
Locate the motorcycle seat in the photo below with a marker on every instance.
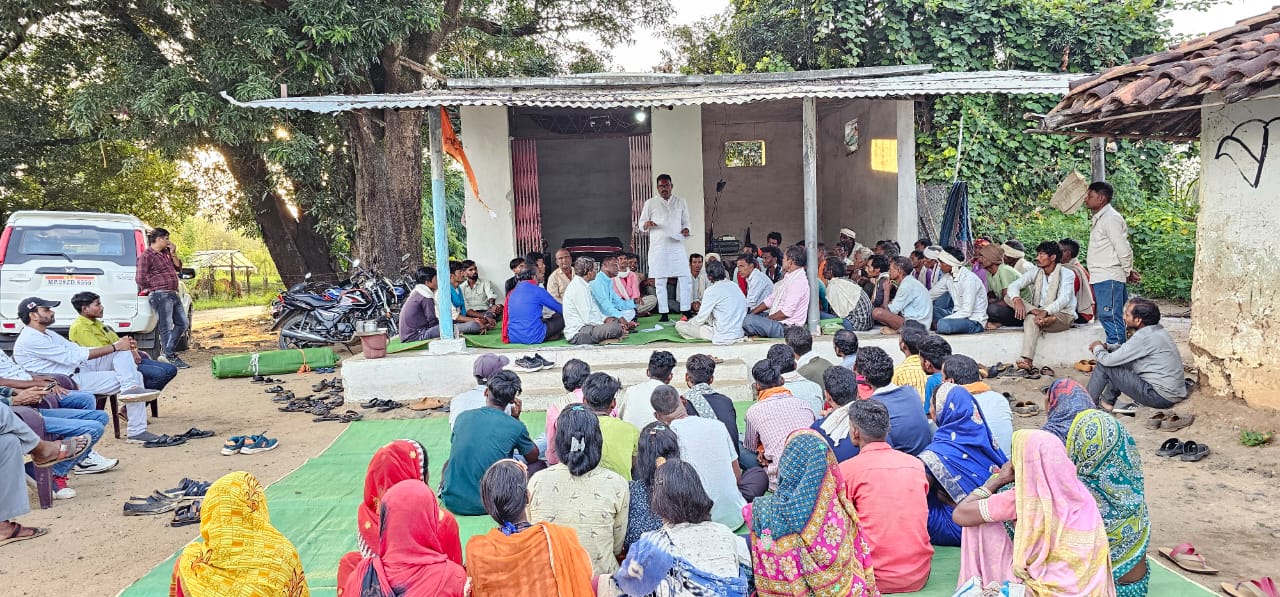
{"x":311,"y":299}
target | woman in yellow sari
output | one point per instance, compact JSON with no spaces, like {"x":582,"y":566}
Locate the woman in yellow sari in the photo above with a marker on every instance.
{"x":242,"y":555}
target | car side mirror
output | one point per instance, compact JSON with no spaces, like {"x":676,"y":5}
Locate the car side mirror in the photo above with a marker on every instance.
{"x":187,"y":273}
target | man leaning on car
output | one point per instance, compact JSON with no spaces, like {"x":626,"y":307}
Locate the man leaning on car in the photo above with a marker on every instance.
{"x":158,"y":277}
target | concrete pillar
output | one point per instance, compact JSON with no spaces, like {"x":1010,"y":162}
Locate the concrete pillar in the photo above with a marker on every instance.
{"x":676,"y":143}
{"x":491,"y":242}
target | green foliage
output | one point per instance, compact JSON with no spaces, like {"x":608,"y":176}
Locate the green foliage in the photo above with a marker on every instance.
{"x":1255,"y":439}
{"x":1011,"y":174}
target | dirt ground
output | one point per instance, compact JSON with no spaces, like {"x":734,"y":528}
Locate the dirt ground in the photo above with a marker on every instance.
{"x":1224,"y":504}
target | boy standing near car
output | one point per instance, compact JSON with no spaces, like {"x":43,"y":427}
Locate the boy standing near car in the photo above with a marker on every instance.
{"x":158,"y":277}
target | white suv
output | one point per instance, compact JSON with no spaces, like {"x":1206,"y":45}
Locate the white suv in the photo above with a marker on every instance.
{"x":56,"y":254}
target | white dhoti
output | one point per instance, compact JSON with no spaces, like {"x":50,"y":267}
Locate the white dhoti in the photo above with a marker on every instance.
{"x":667,"y":257}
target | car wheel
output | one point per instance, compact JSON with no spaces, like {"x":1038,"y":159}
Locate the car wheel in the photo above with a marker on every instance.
{"x":184,"y":342}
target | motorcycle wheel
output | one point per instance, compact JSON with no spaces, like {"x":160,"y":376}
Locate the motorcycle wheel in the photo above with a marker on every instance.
{"x":295,"y":320}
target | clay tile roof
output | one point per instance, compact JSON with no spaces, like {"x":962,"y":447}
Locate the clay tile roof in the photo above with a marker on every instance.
{"x":1154,"y":96}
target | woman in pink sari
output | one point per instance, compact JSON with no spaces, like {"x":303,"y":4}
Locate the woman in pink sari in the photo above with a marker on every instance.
{"x":1059,"y":545}
{"x":805,"y":538}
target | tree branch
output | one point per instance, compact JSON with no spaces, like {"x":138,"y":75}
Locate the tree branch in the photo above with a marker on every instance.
{"x":492,"y":28}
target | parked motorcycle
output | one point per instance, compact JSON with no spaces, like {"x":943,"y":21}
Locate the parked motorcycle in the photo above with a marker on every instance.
{"x":309,"y":315}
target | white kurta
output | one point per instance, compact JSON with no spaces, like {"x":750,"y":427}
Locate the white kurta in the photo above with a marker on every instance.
{"x":667,"y":258}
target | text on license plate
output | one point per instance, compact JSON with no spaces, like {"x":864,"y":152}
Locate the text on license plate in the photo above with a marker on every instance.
{"x":69,"y":281}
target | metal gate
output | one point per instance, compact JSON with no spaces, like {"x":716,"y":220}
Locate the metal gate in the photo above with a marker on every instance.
{"x":528,"y":206}
{"x":641,"y":190}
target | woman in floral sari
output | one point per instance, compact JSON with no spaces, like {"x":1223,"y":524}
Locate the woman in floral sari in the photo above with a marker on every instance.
{"x":400,"y":460}
{"x":1067,"y":398}
{"x":1059,"y":546}
{"x":1107,"y":463}
{"x":805,"y":538}
{"x":242,"y":555}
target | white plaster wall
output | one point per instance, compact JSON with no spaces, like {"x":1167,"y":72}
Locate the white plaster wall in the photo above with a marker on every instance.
{"x":676,"y":143}
{"x":908,"y":210}
{"x":1235,"y":296}
{"x":491,"y":242}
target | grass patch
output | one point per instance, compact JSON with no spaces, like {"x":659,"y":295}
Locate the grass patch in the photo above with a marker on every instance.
{"x":257,"y":299}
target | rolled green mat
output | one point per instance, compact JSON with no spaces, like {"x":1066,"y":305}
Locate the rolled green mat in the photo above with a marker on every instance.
{"x":272,"y":362}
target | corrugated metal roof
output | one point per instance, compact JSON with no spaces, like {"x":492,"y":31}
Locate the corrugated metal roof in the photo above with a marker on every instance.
{"x":653,"y":94}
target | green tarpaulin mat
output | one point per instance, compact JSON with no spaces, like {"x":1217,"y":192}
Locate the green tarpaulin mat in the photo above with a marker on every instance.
{"x":315,"y":507}
{"x":272,"y":362}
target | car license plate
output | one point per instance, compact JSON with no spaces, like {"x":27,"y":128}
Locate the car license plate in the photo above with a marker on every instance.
{"x":69,"y":281}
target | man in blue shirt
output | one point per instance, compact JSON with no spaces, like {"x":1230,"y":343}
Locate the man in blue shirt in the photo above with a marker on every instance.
{"x":909,"y":430}
{"x":524,"y":323}
{"x":911,"y":301}
{"x":611,"y":303}
{"x":933,"y":352}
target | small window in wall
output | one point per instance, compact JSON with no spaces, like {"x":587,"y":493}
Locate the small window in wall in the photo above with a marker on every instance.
{"x":744,"y":154}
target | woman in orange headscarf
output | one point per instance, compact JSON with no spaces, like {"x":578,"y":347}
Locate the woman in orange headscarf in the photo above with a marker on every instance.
{"x":242,"y":555}
{"x":408,"y":559}
{"x":548,"y":557}
{"x":400,"y":460}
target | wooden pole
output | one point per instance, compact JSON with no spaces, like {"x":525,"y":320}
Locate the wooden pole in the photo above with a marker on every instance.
{"x":809,"y":159}
{"x":444,"y":306}
{"x":1098,"y":158}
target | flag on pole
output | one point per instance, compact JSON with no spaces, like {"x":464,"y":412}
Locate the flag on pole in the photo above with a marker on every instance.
{"x":453,"y":147}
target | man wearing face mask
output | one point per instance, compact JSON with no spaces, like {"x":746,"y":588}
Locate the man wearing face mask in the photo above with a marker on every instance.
{"x":665,"y":218}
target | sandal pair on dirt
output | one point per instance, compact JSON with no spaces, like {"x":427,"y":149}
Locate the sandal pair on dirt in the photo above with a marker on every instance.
{"x":1086,"y":365}
{"x":1188,"y":451}
{"x":382,"y":405}
{"x":1167,"y":421}
{"x":346,"y":417}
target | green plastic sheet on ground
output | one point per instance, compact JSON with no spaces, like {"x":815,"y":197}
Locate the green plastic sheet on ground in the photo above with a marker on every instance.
{"x":272,"y":362}
{"x":315,"y":507}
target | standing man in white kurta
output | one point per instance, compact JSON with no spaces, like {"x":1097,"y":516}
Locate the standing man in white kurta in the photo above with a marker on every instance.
{"x":665,"y":219}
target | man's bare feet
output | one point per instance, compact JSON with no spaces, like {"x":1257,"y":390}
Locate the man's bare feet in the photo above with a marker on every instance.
{"x":888,"y":330}
{"x":47,"y":453}
{"x":991,"y":325}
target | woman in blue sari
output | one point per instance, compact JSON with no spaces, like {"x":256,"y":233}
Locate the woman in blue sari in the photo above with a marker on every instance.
{"x":1107,"y":462}
{"x":962,"y":456}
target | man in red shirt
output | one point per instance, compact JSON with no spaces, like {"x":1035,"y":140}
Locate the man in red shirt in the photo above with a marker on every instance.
{"x":888,"y":488}
{"x":158,"y":277}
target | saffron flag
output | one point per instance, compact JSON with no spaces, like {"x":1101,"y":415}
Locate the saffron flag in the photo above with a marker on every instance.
{"x":453,"y":147}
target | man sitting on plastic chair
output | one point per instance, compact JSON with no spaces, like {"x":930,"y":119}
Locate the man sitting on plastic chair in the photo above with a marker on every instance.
{"x":104,"y":370}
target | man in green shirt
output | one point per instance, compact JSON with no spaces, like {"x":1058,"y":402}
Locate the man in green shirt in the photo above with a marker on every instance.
{"x":481,"y":437}
{"x":621,"y":438}
{"x":89,"y":331}
{"x":999,"y":276}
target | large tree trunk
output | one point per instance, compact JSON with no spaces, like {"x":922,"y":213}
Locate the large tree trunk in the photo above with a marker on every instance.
{"x":295,"y":245}
{"x":386,"y":150}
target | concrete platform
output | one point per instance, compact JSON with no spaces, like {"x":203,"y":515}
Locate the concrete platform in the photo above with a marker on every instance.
{"x":412,"y":375}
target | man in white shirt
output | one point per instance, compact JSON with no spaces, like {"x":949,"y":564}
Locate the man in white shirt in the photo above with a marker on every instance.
{"x":1110,"y":261}
{"x":698,"y":272}
{"x":968,"y":311}
{"x":706,"y":446}
{"x":105,"y":370}
{"x":1014,"y":256}
{"x":635,"y":407}
{"x":1053,"y":300}
{"x":583,"y":321}
{"x":485,"y":366}
{"x":722,"y":311}
{"x":559,"y":279}
{"x":759,"y":286}
{"x":783,"y":357}
{"x":665,"y":218}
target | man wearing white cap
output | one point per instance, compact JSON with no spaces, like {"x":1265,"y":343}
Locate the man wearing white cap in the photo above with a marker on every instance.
{"x":849,"y":239}
{"x":1053,"y":300}
{"x":665,"y":218}
{"x":1014,"y":255}
{"x":968,"y":314}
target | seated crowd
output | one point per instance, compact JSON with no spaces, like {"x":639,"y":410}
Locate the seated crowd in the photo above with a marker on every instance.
{"x":657,"y":490}
{"x":939,"y":287}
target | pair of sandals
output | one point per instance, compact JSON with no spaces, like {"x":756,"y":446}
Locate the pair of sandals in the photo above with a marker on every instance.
{"x":1025,"y":408}
{"x":325,"y":384}
{"x":382,"y":405}
{"x":1188,"y":451}
{"x":298,"y":405}
{"x":261,"y":379}
{"x":166,"y":441}
{"x":1167,"y":421}
{"x":186,"y":514}
{"x":288,"y":396}
{"x":149,"y":506}
{"x":186,"y":489}
{"x":274,"y":389}
{"x":1026,"y":370}
{"x":346,"y":417}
